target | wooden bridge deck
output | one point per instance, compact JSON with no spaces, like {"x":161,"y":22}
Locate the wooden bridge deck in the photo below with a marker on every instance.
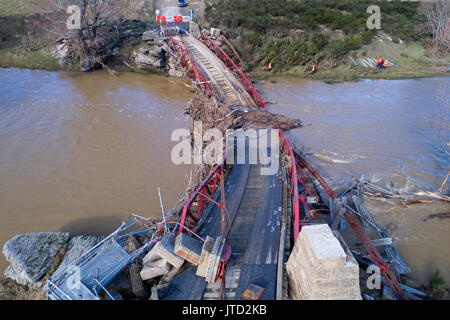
{"x":254,"y":203}
{"x":218,"y":75}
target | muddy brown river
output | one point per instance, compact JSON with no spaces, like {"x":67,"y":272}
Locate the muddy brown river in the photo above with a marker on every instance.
{"x":78,"y":152}
{"x":395,"y":133}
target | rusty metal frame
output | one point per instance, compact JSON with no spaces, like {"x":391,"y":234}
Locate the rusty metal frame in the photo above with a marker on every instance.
{"x":217,"y":173}
{"x":183,"y":54}
{"x":203,"y":194}
{"x":229,"y":63}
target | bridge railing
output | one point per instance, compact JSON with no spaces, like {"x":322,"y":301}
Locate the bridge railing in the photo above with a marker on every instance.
{"x":186,"y":60}
{"x":235,"y":69}
{"x":207,"y":189}
{"x":204,"y":193}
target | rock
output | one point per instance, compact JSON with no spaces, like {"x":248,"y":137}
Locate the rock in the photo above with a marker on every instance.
{"x":215,"y":32}
{"x":86,"y":66}
{"x":159,"y":64}
{"x":175,"y":73}
{"x":144,"y":60}
{"x":143,"y":50}
{"x":149,"y":35}
{"x":60,"y":51}
{"x":32,"y":254}
{"x":156,"y":52}
{"x":77,"y":247}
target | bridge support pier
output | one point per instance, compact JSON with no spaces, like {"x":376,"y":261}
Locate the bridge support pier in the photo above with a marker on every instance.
{"x":319,"y":268}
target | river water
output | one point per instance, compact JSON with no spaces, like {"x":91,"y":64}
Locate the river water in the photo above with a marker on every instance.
{"x":394,"y":132}
{"x":78,"y":152}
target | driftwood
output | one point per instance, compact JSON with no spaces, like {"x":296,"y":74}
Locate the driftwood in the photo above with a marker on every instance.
{"x":443,"y":183}
{"x":213,"y":114}
{"x":406,"y":203}
{"x":404,"y":196}
{"x":135,"y":278}
{"x":263,"y":120}
{"x":437,"y":215}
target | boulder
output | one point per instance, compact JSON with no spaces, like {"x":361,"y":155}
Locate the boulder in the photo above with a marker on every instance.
{"x":77,"y":246}
{"x":215,"y":32}
{"x":86,"y":66}
{"x":175,"y":73}
{"x":31,"y":255}
{"x":159,"y":64}
{"x":156,"y":52}
{"x":143,"y":50}
{"x":149,"y":35}
{"x":144,"y":60}
{"x":60,"y":51}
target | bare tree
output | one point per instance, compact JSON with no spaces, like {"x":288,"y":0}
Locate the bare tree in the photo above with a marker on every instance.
{"x":96,"y":31}
{"x":437,"y":15}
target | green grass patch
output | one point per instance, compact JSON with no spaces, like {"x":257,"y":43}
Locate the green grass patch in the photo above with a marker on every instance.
{"x":13,"y":8}
{"x":39,"y":59}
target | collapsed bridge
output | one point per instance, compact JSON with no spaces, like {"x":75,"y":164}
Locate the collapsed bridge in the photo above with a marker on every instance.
{"x":237,"y":227}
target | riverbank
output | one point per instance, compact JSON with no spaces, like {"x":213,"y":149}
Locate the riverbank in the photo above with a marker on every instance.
{"x":415,"y":64}
{"x":292,"y":51}
{"x":411,"y":58}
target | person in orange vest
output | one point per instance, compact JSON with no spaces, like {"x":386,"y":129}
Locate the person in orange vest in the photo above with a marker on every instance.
{"x":380,"y":62}
{"x":269,"y":67}
{"x":385,"y":64}
{"x":314,"y":69}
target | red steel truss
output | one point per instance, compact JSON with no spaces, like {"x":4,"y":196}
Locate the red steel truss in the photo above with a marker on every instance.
{"x":196,"y":204}
{"x":186,"y":60}
{"x":235,"y":69}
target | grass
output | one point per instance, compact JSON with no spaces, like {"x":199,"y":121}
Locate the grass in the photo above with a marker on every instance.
{"x":13,"y":8}
{"x":411,"y":56}
{"x":39,"y":59}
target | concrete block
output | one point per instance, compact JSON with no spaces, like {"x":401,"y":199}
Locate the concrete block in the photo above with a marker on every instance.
{"x":204,"y":257}
{"x":152,"y":255}
{"x":166,"y":250}
{"x":349,"y":283}
{"x":155,"y":269}
{"x":325,"y":284}
{"x":325,"y":247}
{"x":188,"y":248}
{"x":319,"y":267}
